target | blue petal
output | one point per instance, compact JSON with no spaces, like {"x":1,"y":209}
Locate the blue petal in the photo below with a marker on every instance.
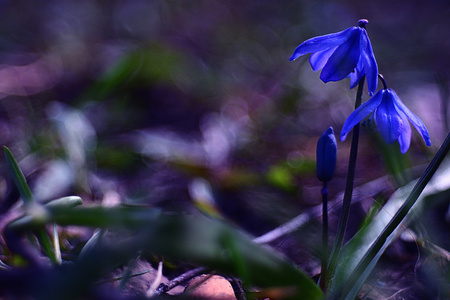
{"x":343,"y":60}
{"x":369,"y":62}
{"x":412,"y":117}
{"x":405,"y":137}
{"x":323,"y":42}
{"x":360,"y":113}
{"x":319,"y":59}
{"x":388,"y":121}
{"x":356,"y":76}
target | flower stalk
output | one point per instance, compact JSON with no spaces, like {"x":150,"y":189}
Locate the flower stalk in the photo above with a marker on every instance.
{"x":326,"y":164}
{"x":399,"y":216}
{"x":324,"y":259}
{"x":348,"y":190}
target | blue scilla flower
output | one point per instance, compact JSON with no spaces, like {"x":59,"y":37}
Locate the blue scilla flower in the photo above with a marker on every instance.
{"x":343,"y":54}
{"x":391,"y":118}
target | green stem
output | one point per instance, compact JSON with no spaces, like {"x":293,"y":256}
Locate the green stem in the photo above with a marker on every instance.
{"x":399,"y":216}
{"x":348,"y":190}
{"x":324,"y":261}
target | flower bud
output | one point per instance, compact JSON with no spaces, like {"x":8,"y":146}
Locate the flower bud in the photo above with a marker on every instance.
{"x":326,"y":155}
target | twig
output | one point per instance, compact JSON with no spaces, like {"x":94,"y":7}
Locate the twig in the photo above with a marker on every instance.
{"x":238,"y":289}
{"x":152,"y":289}
{"x":165,"y":287}
{"x":371,"y":188}
{"x":394,"y":296}
{"x":122,"y":276}
{"x":57,"y":249}
{"x":290,"y":226}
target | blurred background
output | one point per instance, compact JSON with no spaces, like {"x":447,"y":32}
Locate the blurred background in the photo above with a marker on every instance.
{"x":194,"y":106}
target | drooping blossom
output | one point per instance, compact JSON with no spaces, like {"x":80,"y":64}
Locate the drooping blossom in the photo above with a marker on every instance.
{"x":391,"y":119}
{"x":341,"y":55}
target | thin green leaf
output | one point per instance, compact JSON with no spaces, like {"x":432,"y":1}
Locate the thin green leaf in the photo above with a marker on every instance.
{"x":360,"y":255}
{"x":47,"y":246}
{"x":18,"y":177}
{"x":187,"y":238}
{"x":28,"y":199}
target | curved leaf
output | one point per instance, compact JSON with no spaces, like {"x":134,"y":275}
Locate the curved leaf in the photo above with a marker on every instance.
{"x":194,"y":239}
{"x":348,"y":279}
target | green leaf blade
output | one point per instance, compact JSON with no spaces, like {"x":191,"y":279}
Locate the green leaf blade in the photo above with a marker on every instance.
{"x":360,"y":255}
{"x":189,"y":238}
{"x":18,"y":177}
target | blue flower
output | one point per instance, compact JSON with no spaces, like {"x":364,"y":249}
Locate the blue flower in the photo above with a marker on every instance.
{"x":341,"y":55}
{"x":391,"y":118}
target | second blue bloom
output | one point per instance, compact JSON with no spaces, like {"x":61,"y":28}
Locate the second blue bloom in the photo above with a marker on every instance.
{"x":391,"y":118}
{"x":341,"y":55}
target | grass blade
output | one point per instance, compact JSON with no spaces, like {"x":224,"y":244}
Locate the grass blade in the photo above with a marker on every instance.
{"x":195,"y":239}
{"x":29,"y":202}
{"x":363,"y":251}
{"x":18,"y":177}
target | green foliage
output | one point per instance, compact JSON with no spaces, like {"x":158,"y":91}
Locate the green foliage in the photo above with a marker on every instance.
{"x":154,"y":63}
{"x":18,"y":178}
{"x":31,"y":206}
{"x":179,"y":237}
{"x":360,"y":255}
{"x":210,"y":242}
{"x":190,"y":238}
{"x":281,"y":176}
